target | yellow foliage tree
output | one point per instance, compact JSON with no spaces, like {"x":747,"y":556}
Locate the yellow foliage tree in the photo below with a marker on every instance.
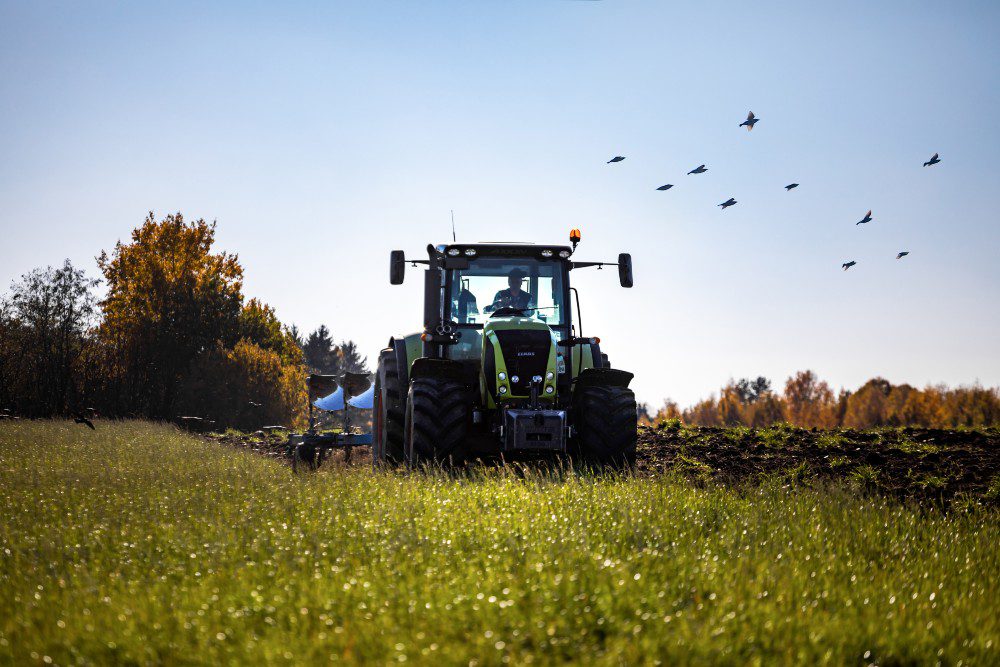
{"x":868,"y":406}
{"x":703,"y":413}
{"x":668,"y":411}
{"x":925,"y":408}
{"x":810,"y":402}
{"x":169,"y":299}
{"x":767,"y":410}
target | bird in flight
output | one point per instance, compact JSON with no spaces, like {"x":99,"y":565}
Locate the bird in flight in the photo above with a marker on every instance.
{"x":726,"y":204}
{"x":866,"y":219}
{"x":700,"y":169}
{"x":665,"y":187}
{"x":934,"y":160}
{"x":791,"y":186}
{"x":78,"y":418}
{"x":749,"y":122}
{"x":902,"y":254}
{"x":848,"y":265}
{"x":617,"y":158}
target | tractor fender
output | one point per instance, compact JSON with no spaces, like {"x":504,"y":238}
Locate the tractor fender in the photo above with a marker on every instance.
{"x":398,"y":346}
{"x":444,"y":369}
{"x":603,"y":377}
{"x":406,"y":349}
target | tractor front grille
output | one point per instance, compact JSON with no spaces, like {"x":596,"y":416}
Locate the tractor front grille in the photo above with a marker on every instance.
{"x":525,"y":353}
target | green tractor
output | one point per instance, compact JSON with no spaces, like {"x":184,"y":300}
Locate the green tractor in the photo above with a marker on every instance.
{"x":500,"y":369}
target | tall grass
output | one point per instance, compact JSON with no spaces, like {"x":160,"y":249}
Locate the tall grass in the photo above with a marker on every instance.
{"x":138,"y":544}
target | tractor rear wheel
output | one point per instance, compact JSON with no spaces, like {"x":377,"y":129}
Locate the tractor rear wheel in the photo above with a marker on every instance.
{"x":437,"y":421}
{"x":388,"y":415}
{"x":605,"y":423}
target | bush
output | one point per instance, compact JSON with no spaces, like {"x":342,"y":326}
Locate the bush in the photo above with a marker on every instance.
{"x":245,"y":387}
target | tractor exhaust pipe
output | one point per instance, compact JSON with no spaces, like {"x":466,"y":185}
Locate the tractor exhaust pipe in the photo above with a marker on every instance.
{"x":432,"y":310}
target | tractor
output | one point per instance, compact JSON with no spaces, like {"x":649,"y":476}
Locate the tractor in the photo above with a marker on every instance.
{"x":501,"y":370}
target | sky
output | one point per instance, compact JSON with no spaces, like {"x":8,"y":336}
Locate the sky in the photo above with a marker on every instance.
{"x":320,"y":136}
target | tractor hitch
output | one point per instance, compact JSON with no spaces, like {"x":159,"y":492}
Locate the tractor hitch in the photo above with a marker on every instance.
{"x":538,"y":430}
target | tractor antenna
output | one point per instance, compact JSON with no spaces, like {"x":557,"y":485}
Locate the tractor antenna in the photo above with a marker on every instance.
{"x":453,"y":239}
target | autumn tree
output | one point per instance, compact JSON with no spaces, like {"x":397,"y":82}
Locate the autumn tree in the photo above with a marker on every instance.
{"x":731,"y":404}
{"x":170,"y":298}
{"x":896,"y":402}
{"x":809,"y":401}
{"x":259,"y":325}
{"x":668,"y":410}
{"x":972,"y":406}
{"x":925,"y":408}
{"x":767,"y":410}
{"x":703,"y":413}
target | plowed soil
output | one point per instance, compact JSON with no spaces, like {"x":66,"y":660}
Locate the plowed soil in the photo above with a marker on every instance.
{"x":907,"y":463}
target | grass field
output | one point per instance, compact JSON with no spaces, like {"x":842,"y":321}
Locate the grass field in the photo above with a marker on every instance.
{"x":138,"y":544}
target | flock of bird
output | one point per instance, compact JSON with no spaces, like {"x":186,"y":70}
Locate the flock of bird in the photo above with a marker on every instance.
{"x":749,"y":123}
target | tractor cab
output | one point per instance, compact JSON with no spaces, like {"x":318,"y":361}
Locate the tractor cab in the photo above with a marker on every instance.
{"x":507,"y":307}
{"x":493,"y":282}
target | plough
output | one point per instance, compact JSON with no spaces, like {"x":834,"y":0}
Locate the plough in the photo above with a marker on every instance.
{"x":331,"y":393}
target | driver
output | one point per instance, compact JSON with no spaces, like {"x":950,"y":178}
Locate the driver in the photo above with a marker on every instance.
{"x":513,"y":296}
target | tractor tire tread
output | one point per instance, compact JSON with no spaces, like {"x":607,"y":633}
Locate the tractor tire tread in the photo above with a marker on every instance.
{"x":439,"y":415}
{"x":606,"y":426}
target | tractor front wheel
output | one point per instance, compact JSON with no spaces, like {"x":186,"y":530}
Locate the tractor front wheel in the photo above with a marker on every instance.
{"x":605,"y":426}
{"x":437,"y":422}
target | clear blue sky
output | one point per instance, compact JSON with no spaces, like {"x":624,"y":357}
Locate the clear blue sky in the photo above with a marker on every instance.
{"x":322,"y":135}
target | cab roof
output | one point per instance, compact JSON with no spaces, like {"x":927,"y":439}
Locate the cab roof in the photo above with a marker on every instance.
{"x":508,"y":248}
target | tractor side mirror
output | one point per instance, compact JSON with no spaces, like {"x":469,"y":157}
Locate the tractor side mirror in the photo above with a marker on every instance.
{"x":397,"y":267}
{"x":625,"y":269}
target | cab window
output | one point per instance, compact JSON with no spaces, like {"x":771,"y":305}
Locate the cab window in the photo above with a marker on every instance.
{"x":506,"y":286}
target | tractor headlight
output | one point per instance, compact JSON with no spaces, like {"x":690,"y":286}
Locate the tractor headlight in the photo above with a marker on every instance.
{"x":546,"y":253}
{"x":470,"y":252}
{"x":549,"y":375}
{"x":502,"y":389}
{"x":564,"y":253}
{"x":453,"y":252}
{"x":549,"y":389}
{"x":501,"y":376}
{"x":514,"y":379}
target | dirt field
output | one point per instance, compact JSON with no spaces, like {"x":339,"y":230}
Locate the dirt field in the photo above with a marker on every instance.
{"x":906,"y":463}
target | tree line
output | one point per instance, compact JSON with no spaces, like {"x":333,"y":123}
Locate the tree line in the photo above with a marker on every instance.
{"x":173,"y":335}
{"x":809,"y":402}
